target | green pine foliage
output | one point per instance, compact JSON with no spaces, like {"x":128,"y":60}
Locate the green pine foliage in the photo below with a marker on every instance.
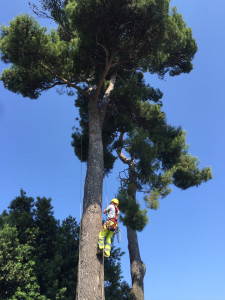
{"x":125,"y":34}
{"x":187,"y":173}
{"x":129,"y":105}
{"x":93,"y":40}
{"x":39,"y":255}
{"x":133,"y":216}
{"x":161,"y":160}
{"x":159,"y":150}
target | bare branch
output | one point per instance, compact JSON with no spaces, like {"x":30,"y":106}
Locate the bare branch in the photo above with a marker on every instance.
{"x":109,"y":89}
{"x":106,"y":97}
{"x":65,"y":81}
{"x":126,"y":180}
{"x":43,"y":14}
{"x":103,"y":76}
{"x":53,"y":85}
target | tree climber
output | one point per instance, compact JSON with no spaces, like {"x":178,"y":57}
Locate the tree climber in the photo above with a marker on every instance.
{"x":108,"y":228}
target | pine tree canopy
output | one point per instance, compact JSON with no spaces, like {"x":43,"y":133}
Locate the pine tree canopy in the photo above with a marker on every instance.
{"x":159,"y":150}
{"x":93,"y":39}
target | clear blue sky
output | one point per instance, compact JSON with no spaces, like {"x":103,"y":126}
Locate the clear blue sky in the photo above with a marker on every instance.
{"x":183,"y":247}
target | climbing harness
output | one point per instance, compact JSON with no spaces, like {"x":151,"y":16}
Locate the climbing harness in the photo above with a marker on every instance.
{"x":81,"y":176}
{"x":111,"y":224}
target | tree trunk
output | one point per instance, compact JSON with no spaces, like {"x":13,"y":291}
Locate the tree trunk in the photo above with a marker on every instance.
{"x":90,"y":284}
{"x":137,"y":267}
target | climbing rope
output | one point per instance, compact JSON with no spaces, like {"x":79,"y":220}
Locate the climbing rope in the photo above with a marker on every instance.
{"x":103,"y":257}
{"x":81,"y":177}
{"x":81,"y":184}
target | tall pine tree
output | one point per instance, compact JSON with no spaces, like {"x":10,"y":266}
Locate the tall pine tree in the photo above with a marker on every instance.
{"x":96,"y":43}
{"x":158,"y":158}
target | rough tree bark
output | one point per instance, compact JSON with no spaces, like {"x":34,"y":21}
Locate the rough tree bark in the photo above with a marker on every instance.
{"x":137,"y":267}
{"x":90,"y":284}
{"x":91,"y":272}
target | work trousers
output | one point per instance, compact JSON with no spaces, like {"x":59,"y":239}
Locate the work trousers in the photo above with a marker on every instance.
{"x":105,"y":234}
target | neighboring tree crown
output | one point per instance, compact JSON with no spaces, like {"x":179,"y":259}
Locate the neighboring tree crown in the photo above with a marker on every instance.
{"x":44,"y":256}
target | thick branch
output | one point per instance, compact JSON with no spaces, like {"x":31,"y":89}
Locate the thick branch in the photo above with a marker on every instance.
{"x":100,"y":83}
{"x":106,"y":97}
{"x":120,"y":154}
{"x":103,"y":76}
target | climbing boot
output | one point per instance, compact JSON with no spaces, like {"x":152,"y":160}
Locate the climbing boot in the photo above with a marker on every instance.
{"x":106,"y":255}
{"x":100,"y":251}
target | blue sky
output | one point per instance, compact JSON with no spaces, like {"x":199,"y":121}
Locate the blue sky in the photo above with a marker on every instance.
{"x":183,"y":247}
